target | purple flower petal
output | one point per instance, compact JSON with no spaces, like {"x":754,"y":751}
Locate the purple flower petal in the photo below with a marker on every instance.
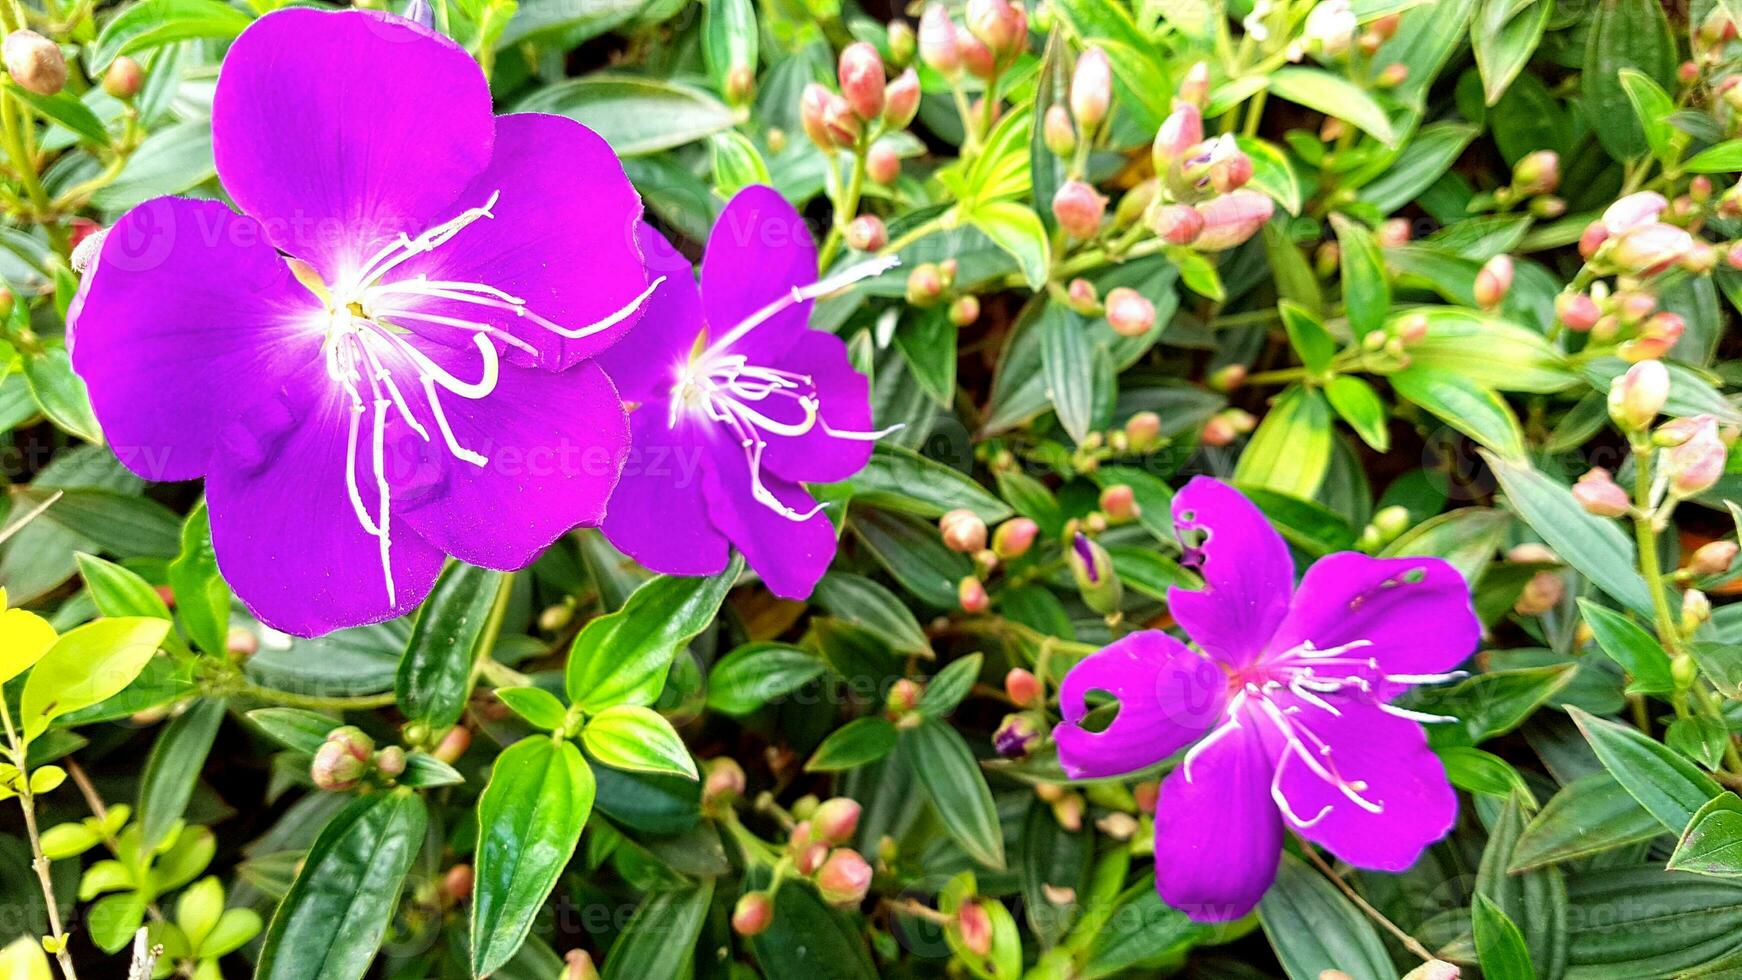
{"x":1218,"y":836}
{"x":342,"y":130}
{"x":561,"y":237}
{"x":553,"y":445}
{"x":191,"y":309}
{"x":658,"y":514}
{"x":1412,"y":615}
{"x":790,"y":555}
{"x":285,"y":531}
{"x":1247,"y":572}
{"x":844,"y":398}
{"x":759,"y":250}
{"x":1388,"y":798}
{"x":1168,"y":696}
{"x":645,"y":364}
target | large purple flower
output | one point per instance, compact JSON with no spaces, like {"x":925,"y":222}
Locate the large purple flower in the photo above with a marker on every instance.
{"x":1294,"y":689}
{"x":740,"y":403}
{"x":387,"y":356}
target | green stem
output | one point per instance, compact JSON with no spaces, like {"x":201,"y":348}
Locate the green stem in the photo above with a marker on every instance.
{"x":484,"y":663}
{"x":938,"y":223}
{"x":312,"y":702}
{"x":846,"y":209}
{"x":39,"y":861}
{"x":11,"y":123}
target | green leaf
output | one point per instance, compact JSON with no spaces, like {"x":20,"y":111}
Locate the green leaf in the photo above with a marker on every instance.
{"x":1017,"y":230}
{"x":529,"y":820}
{"x":757,"y":673}
{"x":1589,"y":815}
{"x":629,"y":736}
{"x":737,"y":164}
{"x":1535,"y":901}
{"x":1464,"y":405}
{"x":61,"y":394}
{"x":331,"y":924}
{"x":539,"y":707}
{"x":1334,"y":96}
{"x":87,"y":665}
{"x":1720,"y":158}
{"x":1664,"y":782}
{"x":1504,"y":35}
{"x":1366,"y":291}
{"x":1647,"y":922}
{"x":1271,"y":172}
{"x":174,"y":766}
{"x":202,"y":598}
{"x":294,"y":728}
{"x":623,"y":657}
{"x":949,"y":686}
{"x":1652,"y":106}
{"x":1623,"y":34}
{"x":660,"y":939}
{"x":153,"y":23}
{"x":1313,"y":928}
{"x":730,"y":39}
{"x":1291,"y":449}
{"x":1359,"y":405}
{"x":1594,"y":546}
{"x":115,"y":918}
{"x":66,"y":109}
{"x":903,"y":480}
{"x":636,"y":116}
{"x":868,"y":604}
{"x":912,"y":553}
{"x":1628,"y":644}
{"x":1308,"y":336}
{"x":117,"y":591}
{"x":859,"y":742}
{"x":435,"y":674}
{"x":1712,"y":843}
{"x":1481,"y":772}
{"x":1495,"y":702}
{"x":957,"y":789}
{"x":1424,"y":159}
{"x":1499,"y":945}
{"x":927,"y":341}
{"x":1487,"y":350}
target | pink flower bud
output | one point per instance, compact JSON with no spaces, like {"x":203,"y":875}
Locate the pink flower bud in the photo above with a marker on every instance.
{"x":458,"y":881}
{"x":964,"y":310}
{"x":976,"y":56}
{"x":578,"y":965}
{"x":1231,"y":219}
{"x":1577,"y":310}
{"x":866,"y":233}
{"x":753,"y":914}
{"x":1330,"y":28}
{"x":1079,"y":209}
{"x":1179,"y":132}
{"x":974,"y":926}
{"x":836,"y":820}
{"x":1014,"y":537}
{"x":862,"y":79}
{"x":813,"y":105}
{"x":1393,"y":232}
{"x":1537,"y":173}
{"x":963,"y":531}
{"x":1392,"y":75}
{"x":35,"y":62}
{"x":937,"y":41}
{"x":1412,"y":329}
{"x":1493,"y":281}
{"x":1218,"y":431}
{"x":1434,"y":970}
{"x":1176,"y":224}
{"x":844,"y":878}
{"x":1082,"y":298}
{"x":925,"y":285}
{"x":1648,"y":249}
{"x":1632,"y":211}
{"x":1591,"y":239}
{"x":740,"y":85}
{"x":883,"y":164}
{"x":1143,"y":431}
{"x":1543,"y":592}
{"x":1228,"y":377}
{"x":1129,"y":313}
{"x":1655,"y":340}
{"x":342,"y":760}
{"x":901,"y":100}
{"x":1636,"y":398}
{"x":971,"y":595}
{"x":390,"y":761}
{"x":1195,"y":87}
{"x":1000,"y":25}
{"x":1696,"y":464}
{"x":1700,"y":259}
{"x":1091,"y":88}
{"x":1119,"y":503}
{"x":1713,"y":558}
{"x":1230,"y":169}
{"x":1022,"y":687}
{"x":124,"y":78}
{"x":841,"y":122}
{"x":722,"y":781}
{"x":1599,"y":494}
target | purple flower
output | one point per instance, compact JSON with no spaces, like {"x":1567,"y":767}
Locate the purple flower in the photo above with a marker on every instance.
{"x":1293,"y":688}
{"x":740,"y":403}
{"x":386,"y":357}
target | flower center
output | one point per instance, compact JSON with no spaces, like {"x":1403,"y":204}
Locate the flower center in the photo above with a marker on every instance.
{"x":369,"y":351}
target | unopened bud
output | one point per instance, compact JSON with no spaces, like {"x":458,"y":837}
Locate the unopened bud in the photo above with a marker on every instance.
{"x":1143,"y":431}
{"x":390,"y":761}
{"x":813,"y":105}
{"x":1016,"y":736}
{"x":124,"y":78}
{"x":1392,"y":233}
{"x":1129,"y":313}
{"x":1195,"y":87}
{"x":578,"y":965}
{"x":722,"y":781}
{"x":1057,"y":131}
{"x":836,"y":820}
{"x":240,"y":642}
{"x":1633,"y":211}
{"x":342,"y":760}
{"x":35,"y":62}
{"x":1636,"y":398}
{"x":866,"y":233}
{"x":1119,"y":503}
{"x":1577,"y":311}
{"x":844,"y":878}
{"x":1433,"y":970}
{"x":1091,"y":89}
{"x":1697,"y":463}
{"x":1119,"y":826}
{"x":883,"y":164}
{"x":971,"y":594}
{"x":1656,"y":338}
{"x":1542,"y":593}
{"x":937,"y":41}
{"x":903,"y":695}
{"x":753,"y":913}
{"x":740,"y":87}
{"x":998,"y":24}
{"x":1591,"y":239}
{"x":901,"y":100}
{"x":1082,"y":298}
{"x":1330,"y":28}
{"x":1547,"y":206}
{"x":1014,"y":537}
{"x":840,"y":122}
{"x":1092,"y":568}
{"x":1696,"y":609}
{"x":963,"y":531}
{"x":1228,"y":377}
{"x":1493,"y":281}
{"x":1022,"y":687}
{"x":1179,"y":132}
{"x":1218,"y":431}
{"x":862,"y":79}
{"x":457,"y":883}
{"x":453,"y":744}
{"x":1068,"y":811}
{"x":925,"y":285}
{"x":1713,"y":558}
{"x":1599,"y":494}
{"x":1537,"y":173}
{"x":1176,"y":224}
{"x":974,"y":927}
{"x":1079,"y":209}
{"x":976,"y":57}
{"x":1392,"y":75}
{"x":964,"y":310}
{"x":1232,"y":219}
{"x":1230,"y":170}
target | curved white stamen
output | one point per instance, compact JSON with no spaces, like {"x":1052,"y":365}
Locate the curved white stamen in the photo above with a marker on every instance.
{"x":798,"y":294}
{"x":1456,"y":675}
{"x":1281,"y":799}
{"x":1421,"y":716}
{"x":1223,"y":731}
{"x":1297,"y":737}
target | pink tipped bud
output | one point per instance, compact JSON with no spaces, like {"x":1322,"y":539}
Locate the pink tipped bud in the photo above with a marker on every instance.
{"x":1713,"y":558}
{"x":1687,"y":73}
{"x":840,"y":122}
{"x":753,"y":914}
{"x":1701,"y":259}
{"x":971,"y":595}
{"x":124,"y":78}
{"x":974,"y":926}
{"x":883,"y":164}
{"x":1599,"y":494}
{"x":1633,"y":306}
{"x":975,"y":56}
{"x":1119,"y":503}
{"x":1079,"y":209}
{"x":740,"y":85}
{"x":1014,"y":537}
{"x":844,"y":878}
{"x":1091,"y":88}
{"x":1179,"y":132}
{"x":963,"y":531}
{"x":457,"y":882}
{"x":1195,"y":87}
{"x":1412,"y":329}
{"x":1656,"y":338}
{"x":342,"y":760}
{"x":964,"y":310}
{"x":901,"y":100}
{"x":1143,"y":431}
{"x":862,"y":79}
{"x":937,"y":41}
{"x":902,"y":42}
{"x":925,"y":285}
{"x":813,"y":105}
{"x":1633,"y":210}
{"x":1392,"y":75}
{"x":1434,"y":970}
{"x":1537,"y":173}
{"x":1218,"y":431}
{"x":1330,"y":28}
{"x":578,"y":965}
{"x":34,"y":62}
{"x":1129,"y":313}
{"x":866,"y":233}
{"x":1228,"y":377}
{"x":1176,"y":224}
{"x":1593,"y":237}
{"x":1648,"y":249}
{"x":1230,"y":169}
{"x":1698,"y":462}
{"x":454,"y":744}
{"x":1022,"y":687}
{"x":1493,"y":281}
{"x":1057,"y":131}
{"x":722,"y":781}
{"x":1578,"y":311}
{"x":1393,"y":232}
{"x":836,"y":820}
{"x":1543,"y":592}
{"x":390,"y":761}
{"x":1636,"y":398}
{"x":1231,"y":219}
{"x":1000,"y":25}
{"x":1082,"y":298}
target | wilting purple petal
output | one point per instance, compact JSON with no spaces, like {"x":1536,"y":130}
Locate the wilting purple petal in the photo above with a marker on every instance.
{"x":1247,"y":572}
{"x":188,"y":290}
{"x":844,"y":405}
{"x":284,"y":527}
{"x":340,"y":131}
{"x":791,"y":553}
{"x":560,"y":237}
{"x":1168,"y":696}
{"x":649,"y":360}
{"x":759,"y":250}
{"x":1411,"y":615}
{"x":659,"y":512}
{"x":1218,"y":836}
{"x":1387,"y":797}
